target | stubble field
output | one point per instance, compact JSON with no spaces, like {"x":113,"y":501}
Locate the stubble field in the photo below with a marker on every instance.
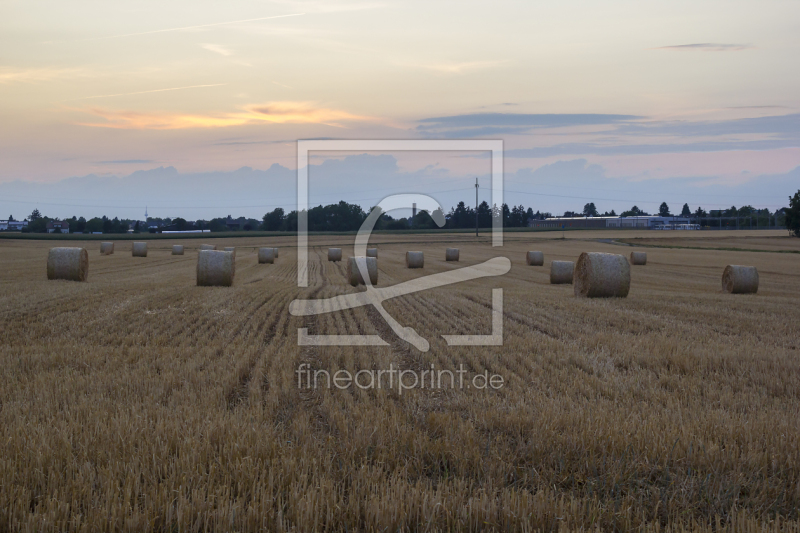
{"x":140,"y":402}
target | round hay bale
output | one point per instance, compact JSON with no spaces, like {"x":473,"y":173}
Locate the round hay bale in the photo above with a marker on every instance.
{"x":68,"y":263}
{"x":535,"y":258}
{"x":208,"y":247}
{"x":177,"y":249}
{"x":638,"y":258}
{"x":230,"y":248}
{"x":372,"y":252}
{"x":276,"y":252}
{"x":106,"y":248}
{"x":266,"y":255}
{"x":415,"y":260}
{"x":451,"y":254}
{"x":354,"y":274}
{"x":599,"y":275}
{"x":215,"y":268}
{"x":737,"y":279}
{"x":334,"y":254}
{"x":561,"y":272}
{"x":139,"y":249}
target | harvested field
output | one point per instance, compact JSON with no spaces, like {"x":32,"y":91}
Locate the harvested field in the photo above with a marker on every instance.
{"x":139,"y":401}
{"x":729,"y":240}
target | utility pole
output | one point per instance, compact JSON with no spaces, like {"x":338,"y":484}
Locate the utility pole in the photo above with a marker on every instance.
{"x":476,"y":207}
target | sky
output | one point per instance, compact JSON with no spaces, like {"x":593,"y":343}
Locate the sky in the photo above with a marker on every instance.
{"x":193,"y":109}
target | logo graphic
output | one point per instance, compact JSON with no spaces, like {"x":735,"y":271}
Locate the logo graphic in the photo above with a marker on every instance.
{"x":376,"y":296}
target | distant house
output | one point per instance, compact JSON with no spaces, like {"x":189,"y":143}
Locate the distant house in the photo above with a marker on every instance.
{"x":60,"y":225}
{"x":233,"y":224}
{"x":13,"y":225}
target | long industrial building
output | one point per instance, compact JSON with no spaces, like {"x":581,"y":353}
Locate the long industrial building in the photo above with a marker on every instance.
{"x":638,"y":222}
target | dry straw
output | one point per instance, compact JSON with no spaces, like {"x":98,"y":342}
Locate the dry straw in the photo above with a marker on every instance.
{"x":106,"y":248}
{"x":266,"y":255}
{"x":139,"y":249}
{"x":177,"y":249}
{"x":372,"y":252}
{"x":638,"y":258}
{"x":354,"y":274}
{"x":451,"y":254}
{"x":215,"y":268}
{"x":737,"y":279}
{"x":535,"y":258}
{"x":561,"y":272}
{"x":415,"y":260}
{"x":599,"y":275}
{"x":334,"y":254}
{"x":208,"y":246}
{"x":68,"y":263}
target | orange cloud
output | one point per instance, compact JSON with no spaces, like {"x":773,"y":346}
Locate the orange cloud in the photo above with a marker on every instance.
{"x":272,"y":112}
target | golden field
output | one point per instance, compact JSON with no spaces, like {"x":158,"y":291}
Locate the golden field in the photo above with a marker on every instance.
{"x":140,"y":402}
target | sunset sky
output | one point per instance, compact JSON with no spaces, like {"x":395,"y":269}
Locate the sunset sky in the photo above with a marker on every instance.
{"x":628,"y":101}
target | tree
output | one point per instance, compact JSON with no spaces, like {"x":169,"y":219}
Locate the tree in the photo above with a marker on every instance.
{"x":11,"y":218}
{"x":633,"y":212}
{"x":663,"y":210}
{"x":273,"y":220}
{"x":589,"y":210}
{"x":700,"y":213}
{"x":519,"y":217}
{"x":686,"y":212}
{"x":461,"y":217}
{"x":94,"y":225}
{"x":485,"y":214}
{"x":793,"y":215}
{"x":35,"y":215}
{"x":180,"y":224}
{"x":506,"y":216}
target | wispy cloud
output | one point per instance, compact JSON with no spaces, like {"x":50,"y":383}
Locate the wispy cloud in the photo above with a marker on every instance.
{"x":199,"y":26}
{"x":573,"y":149}
{"x":482,"y":124}
{"x":31,"y":75}
{"x":272,"y":112}
{"x":462,"y":67}
{"x":707,"y":47}
{"x":217,"y":49}
{"x":759,"y":107}
{"x":326,"y":6}
{"x":126,"y":162}
{"x":146,"y":92}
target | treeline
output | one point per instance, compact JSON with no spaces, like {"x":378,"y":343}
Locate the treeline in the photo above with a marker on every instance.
{"x":349,"y":217}
{"x":344,"y":216}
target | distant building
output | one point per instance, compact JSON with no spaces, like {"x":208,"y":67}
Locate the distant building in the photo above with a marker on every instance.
{"x":60,"y":225}
{"x":643,"y":222}
{"x":13,"y":225}
{"x":571,"y":222}
{"x":233,"y":224}
{"x":650,"y":222}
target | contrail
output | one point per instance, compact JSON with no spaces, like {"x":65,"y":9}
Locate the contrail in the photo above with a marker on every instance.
{"x":190,"y":27}
{"x":145,"y":92}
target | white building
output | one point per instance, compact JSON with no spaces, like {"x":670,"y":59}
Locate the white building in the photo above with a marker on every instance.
{"x":639,"y":222}
{"x":651,"y":222}
{"x":12,"y":225}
